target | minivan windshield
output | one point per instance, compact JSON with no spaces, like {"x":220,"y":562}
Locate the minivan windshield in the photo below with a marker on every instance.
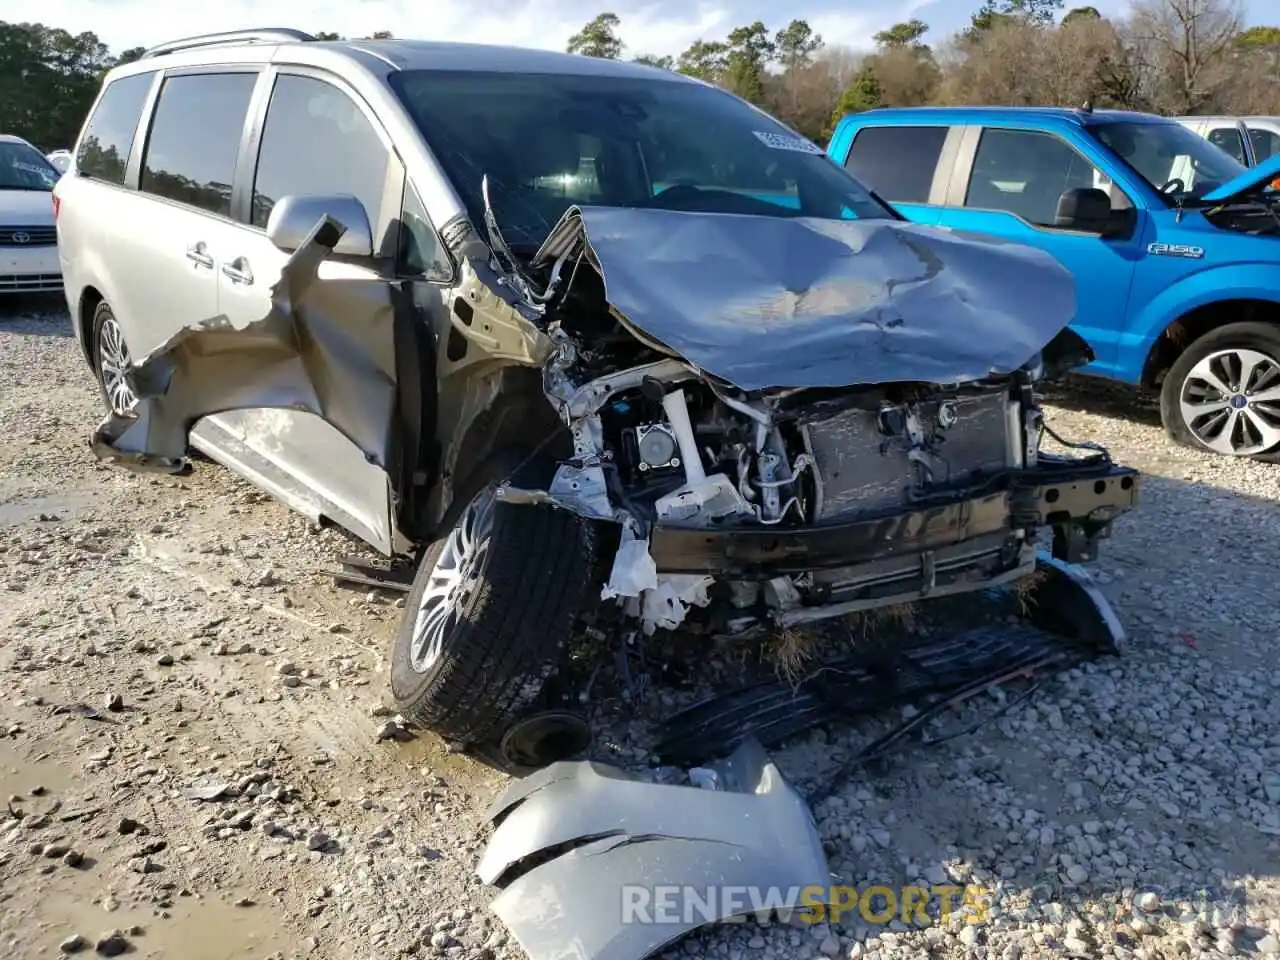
{"x":551,"y":141}
{"x":25,"y":168}
{"x":1173,"y":159}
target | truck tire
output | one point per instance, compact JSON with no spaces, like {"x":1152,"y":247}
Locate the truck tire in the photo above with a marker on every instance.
{"x":1236,"y":421}
{"x":492,"y":606}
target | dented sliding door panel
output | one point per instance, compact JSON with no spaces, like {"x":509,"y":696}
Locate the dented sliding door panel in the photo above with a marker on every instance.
{"x":308,"y":339}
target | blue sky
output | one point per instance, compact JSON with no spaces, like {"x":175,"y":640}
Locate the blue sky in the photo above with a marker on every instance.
{"x":648,"y":26}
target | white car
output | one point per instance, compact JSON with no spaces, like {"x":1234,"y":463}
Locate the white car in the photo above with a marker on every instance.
{"x":28,"y":236}
{"x":1249,"y":139}
{"x":60,"y":159}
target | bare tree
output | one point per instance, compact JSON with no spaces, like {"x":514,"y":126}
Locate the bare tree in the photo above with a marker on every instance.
{"x":1187,"y":44}
{"x":842,"y":62}
{"x":1026,"y":64}
{"x":908,"y":76}
{"x":802,"y":97}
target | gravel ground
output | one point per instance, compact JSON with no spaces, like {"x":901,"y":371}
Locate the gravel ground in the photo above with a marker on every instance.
{"x":165,"y":634}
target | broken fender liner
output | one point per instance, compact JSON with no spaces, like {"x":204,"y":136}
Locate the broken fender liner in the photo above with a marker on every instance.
{"x":323,"y":346}
{"x":626,"y":866}
{"x":1071,"y":621}
{"x":775,"y":302}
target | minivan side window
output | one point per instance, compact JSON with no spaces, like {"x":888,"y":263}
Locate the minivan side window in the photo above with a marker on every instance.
{"x":1024,"y":173}
{"x":1266,"y":143}
{"x":108,"y":138}
{"x":195,"y":139}
{"x":1229,"y":139}
{"x":316,"y":140}
{"x":897,"y":162}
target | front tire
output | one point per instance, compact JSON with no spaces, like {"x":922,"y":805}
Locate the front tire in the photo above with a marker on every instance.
{"x":492,"y":607}
{"x":1222,"y":394}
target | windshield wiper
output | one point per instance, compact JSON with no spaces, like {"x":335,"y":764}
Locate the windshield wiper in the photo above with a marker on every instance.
{"x":25,"y":188}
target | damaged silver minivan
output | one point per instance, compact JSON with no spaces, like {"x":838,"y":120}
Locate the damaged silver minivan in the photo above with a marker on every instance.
{"x":601,"y":347}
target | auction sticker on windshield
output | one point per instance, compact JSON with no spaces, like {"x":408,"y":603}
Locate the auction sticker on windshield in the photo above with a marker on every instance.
{"x":780,"y":141}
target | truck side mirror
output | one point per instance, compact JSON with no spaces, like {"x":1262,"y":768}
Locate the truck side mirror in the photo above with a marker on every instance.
{"x":1086,"y":209}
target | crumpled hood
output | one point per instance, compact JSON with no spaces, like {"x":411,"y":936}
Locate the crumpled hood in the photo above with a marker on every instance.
{"x":771,"y":302}
{"x":1252,"y":180}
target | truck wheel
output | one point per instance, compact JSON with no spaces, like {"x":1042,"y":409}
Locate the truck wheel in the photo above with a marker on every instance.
{"x":110,"y":361}
{"x":1223,"y":393}
{"x":492,"y":606}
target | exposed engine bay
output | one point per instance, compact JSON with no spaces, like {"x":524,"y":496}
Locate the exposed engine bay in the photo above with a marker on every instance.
{"x":802,"y":500}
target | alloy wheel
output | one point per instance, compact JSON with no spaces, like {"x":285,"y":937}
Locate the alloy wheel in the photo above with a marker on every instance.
{"x":453,"y":581}
{"x":1230,"y":401}
{"x":113,"y":363}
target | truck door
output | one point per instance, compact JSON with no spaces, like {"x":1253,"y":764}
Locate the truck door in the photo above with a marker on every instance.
{"x":1007,"y":183}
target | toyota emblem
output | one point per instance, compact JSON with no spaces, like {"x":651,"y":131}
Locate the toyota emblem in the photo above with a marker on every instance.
{"x":20,"y":236}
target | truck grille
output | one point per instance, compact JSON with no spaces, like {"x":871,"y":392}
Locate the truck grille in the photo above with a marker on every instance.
{"x":28,"y":236}
{"x":862,"y":471}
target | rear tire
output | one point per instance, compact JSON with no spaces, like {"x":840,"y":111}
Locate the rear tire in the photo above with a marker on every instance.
{"x":110,"y":360}
{"x":1194,"y":412}
{"x":515,"y":601}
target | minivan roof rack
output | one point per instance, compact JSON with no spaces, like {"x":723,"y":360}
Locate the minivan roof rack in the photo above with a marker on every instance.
{"x":269,"y":35}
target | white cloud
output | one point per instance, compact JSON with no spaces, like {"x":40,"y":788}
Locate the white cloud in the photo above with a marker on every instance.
{"x":648,"y":26}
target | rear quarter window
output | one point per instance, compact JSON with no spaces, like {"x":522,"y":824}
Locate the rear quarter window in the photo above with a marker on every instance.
{"x":898,"y":163}
{"x":108,"y":136}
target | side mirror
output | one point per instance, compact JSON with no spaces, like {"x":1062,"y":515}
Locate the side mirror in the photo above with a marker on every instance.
{"x":1086,"y":209}
{"x":294,"y":217}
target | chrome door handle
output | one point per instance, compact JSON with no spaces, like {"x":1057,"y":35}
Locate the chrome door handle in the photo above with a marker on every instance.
{"x":238,"y":271}
{"x":196,"y":254}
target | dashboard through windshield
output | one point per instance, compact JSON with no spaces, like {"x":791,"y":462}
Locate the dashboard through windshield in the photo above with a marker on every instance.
{"x":551,"y":141}
{"x":1175,"y":161}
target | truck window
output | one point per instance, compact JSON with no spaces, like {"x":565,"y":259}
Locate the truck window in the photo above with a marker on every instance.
{"x":897,"y":162}
{"x":1229,"y":139}
{"x":1024,"y":173}
{"x":108,"y":138}
{"x":1171,"y":158}
{"x":1266,"y":143}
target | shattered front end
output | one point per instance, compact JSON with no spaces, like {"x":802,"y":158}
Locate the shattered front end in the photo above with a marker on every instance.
{"x":790,"y":421}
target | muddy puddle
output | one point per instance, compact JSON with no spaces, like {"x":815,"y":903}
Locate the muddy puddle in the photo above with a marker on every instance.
{"x":57,"y":507}
{"x":69,"y":901}
{"x":21,"y":774}
{"x":194,"y":930}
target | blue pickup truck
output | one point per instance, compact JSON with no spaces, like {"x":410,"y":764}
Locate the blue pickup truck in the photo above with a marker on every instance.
{"x":1174,"y":245}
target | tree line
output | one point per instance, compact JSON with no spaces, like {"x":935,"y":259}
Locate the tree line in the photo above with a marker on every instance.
{"x":1172,"y":57}
{"x":1164,"y":56}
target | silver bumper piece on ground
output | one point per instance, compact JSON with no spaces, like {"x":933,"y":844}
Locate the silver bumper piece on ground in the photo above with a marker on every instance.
{"x":626,"y":866}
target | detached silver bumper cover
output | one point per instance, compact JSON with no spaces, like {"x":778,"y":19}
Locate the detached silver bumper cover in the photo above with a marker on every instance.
{"x":626,"y":866}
